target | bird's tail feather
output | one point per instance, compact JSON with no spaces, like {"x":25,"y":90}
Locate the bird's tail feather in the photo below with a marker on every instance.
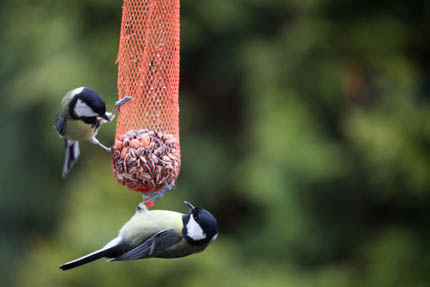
{"x":72,"y":154}
{"x":86,"y":259}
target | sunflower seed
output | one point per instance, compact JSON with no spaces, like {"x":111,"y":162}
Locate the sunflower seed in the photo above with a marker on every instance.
{"x":145,"y":160}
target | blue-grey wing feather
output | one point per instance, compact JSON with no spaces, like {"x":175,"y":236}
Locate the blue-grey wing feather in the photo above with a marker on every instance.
{"x":60,"y":124}
{"x":160,"y":241}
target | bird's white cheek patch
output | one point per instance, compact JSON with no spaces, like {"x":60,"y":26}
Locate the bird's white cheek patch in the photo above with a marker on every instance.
{"x":194,"y":231}
{"x":83,"y":110}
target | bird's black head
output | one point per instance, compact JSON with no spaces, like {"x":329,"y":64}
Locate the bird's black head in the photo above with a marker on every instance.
{"x":200,"y":226}
{"x":87,"y":105}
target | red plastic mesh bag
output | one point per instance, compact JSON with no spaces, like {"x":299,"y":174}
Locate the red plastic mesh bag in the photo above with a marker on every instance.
{"x":146,"y":154}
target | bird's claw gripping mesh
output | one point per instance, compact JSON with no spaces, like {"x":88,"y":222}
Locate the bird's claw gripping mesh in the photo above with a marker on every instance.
{"x":146,"y":154}
{"x":150,"y":198}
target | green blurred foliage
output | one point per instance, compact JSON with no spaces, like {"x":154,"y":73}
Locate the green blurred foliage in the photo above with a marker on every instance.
{"x":305,"y":129}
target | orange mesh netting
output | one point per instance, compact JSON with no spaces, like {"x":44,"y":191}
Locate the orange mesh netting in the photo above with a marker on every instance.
{"x":146,"y":154}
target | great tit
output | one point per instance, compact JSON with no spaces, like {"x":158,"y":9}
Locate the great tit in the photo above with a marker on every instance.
{"x":82,"y":111}
{"x":157,"y":233}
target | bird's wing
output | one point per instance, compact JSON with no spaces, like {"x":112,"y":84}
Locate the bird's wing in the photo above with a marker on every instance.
{"x":60,"y":124}
{"x":160,"y":241}
{"x":72,"y":154}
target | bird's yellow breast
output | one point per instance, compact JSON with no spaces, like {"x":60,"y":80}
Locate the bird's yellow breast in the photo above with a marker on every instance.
{"x":78,"y":130}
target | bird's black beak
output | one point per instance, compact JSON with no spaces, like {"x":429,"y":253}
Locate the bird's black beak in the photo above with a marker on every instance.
{"x":105,"y":116}
{"x":190,"y":206}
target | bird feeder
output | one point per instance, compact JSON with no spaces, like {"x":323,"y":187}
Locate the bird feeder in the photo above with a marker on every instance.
{"x":146,"y":155}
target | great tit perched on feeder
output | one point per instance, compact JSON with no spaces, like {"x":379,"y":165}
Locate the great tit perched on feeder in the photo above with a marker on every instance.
{"x":158,"y":234}
{"x":82,"y":111}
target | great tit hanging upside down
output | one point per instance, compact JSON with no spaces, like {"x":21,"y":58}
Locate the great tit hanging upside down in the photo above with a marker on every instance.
{"x":82,"y":111}
{"x":157,"y":233}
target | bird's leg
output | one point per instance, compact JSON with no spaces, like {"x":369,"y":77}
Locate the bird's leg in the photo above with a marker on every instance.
{"x":152,"y":197}
{"x":167,"y":188}
{"x":119,"y":103}
{"x":96,"y":141}
{"x":141,"y":207}
{"x":117,"y":106}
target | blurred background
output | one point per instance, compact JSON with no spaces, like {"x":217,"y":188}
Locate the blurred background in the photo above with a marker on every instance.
{"x":305,"y":129}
